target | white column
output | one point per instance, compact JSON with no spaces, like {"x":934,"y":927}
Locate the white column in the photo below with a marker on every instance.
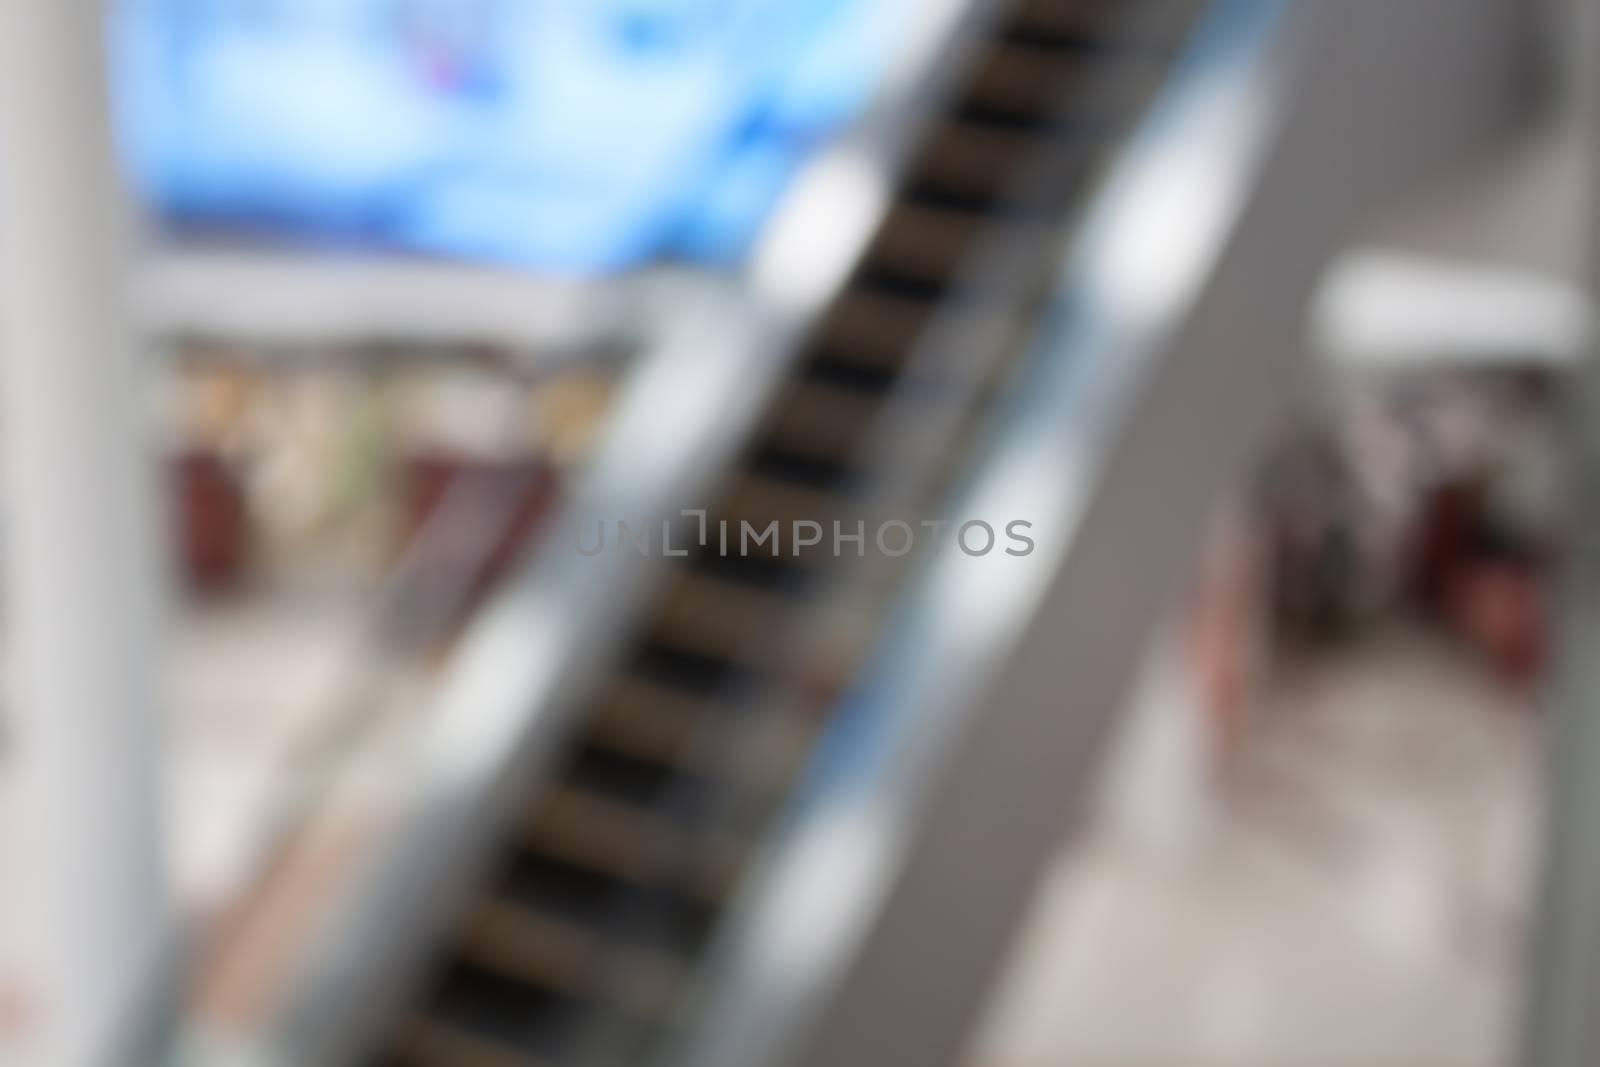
{"x":80,"y":563}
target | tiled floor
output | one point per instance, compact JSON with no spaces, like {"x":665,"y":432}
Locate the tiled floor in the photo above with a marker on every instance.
{"x":1349,"y":891}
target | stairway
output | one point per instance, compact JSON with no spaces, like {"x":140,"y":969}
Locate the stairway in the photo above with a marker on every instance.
{"x":585,"y":943}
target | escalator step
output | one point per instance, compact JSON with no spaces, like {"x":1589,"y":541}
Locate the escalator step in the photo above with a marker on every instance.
{"x":822,"y":422}
{"x":762,"y":763}
{"x":431,"y":1043}
{"x":489,"y":1011}
{"x":758,"y":500}
{"x":933,"y":198}
{"x":559,"y":889}
{"x":647,"y":721}
{"x":633,"y":844}
{"x":709,"y":617}
{"x":1036,"y":124}
{"x":970,"y":161}
{"x":881,"y":282}
{"x":873,"y":329}
{"x":1025,"y":82}
{"x":532,"y":947}
{"x":923,"y":245}
{"x":827,"y":373}
{"x":771,"y":459}
{"x":630,"y":972}
{"x":599,"y":835}
{"x":681,"y":670}
{"x":625,"y":778}
{"x":1040,"y":34}
{"x":1071,"y":23}
{"x":658,"y":918}
{"x":781,"y":574}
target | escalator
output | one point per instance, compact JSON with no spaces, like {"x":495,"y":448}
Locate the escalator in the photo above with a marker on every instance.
{"x":589,"y":939}
{"x":733,"y":809}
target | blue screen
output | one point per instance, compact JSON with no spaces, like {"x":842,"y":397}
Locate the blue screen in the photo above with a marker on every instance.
{"x":571,"y":135}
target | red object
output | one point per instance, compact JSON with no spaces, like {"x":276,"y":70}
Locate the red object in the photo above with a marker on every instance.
{"x":213,"y":522}
{"x":1501,"y":609}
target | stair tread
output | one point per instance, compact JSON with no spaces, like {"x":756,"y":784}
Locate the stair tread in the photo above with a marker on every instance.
{"x":496,"y":1010}
{"x":680,"y":669}
{"x":822,"y":421}
{"x":531,"y":945}
{"x":1024,"y":78}
{"x":631,"y":843}
{"x":428,"y":1042}
{"x":873,"y":328}
{"x":923,"y":244}
{"x":646,"y":720}
{"x":709,"y":616}
{"x":1069,"y":23}
{"x":970,"y":160}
